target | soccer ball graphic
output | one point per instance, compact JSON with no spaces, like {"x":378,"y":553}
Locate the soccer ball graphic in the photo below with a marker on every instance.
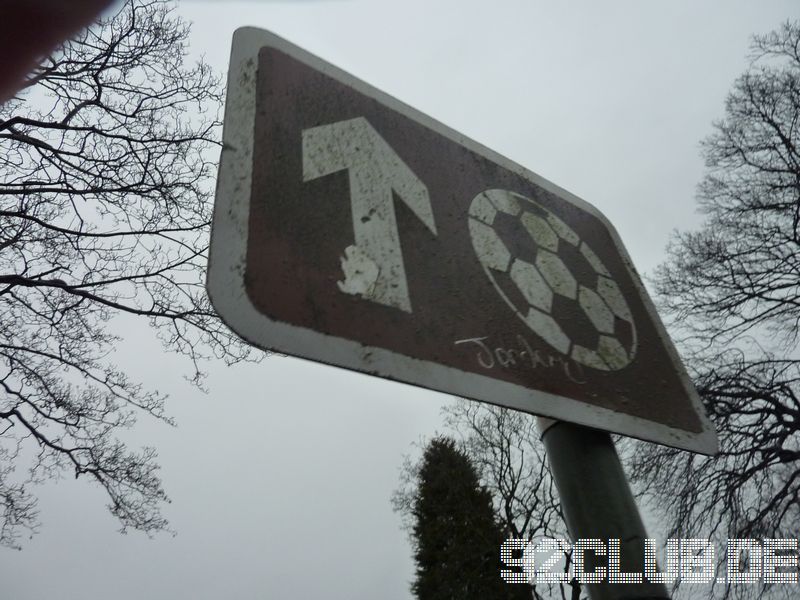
{"x":552,"y":280}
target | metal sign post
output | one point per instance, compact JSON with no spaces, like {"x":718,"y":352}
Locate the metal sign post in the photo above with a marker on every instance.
{"x":598,"y":505}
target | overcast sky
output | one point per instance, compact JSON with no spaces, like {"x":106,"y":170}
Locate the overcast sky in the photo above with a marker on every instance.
{"x":281,"y":475}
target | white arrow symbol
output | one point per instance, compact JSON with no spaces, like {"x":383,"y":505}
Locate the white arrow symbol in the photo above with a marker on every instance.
{"x":374,"y":266}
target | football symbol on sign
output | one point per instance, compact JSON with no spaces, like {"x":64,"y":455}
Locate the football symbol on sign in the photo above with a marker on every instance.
{"x":542,"y":263}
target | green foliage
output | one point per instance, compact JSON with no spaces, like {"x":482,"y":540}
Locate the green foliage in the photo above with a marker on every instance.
{"x":457,"y":539}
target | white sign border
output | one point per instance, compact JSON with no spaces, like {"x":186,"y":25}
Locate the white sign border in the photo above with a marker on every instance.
{"x":227,"y":255}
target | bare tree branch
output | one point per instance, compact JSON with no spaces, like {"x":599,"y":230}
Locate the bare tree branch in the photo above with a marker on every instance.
{"x":106,"y":172}
{"x":732,"y":292}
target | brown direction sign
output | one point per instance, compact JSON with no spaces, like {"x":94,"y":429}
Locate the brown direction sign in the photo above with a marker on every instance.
{"x":351,"y":229}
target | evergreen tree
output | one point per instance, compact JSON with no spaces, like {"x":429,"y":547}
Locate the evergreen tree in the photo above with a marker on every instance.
{"x":457,"y":539}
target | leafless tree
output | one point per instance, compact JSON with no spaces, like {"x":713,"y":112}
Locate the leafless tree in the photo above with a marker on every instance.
{"x":732,"y":292}
{"x":106,"y":166}
{"x":504,"y":445}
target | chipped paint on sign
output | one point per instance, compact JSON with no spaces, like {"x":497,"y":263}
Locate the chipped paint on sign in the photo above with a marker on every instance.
{"x":353,"y":230}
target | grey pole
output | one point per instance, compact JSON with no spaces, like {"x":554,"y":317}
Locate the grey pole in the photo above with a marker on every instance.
{"x":598,"y":504}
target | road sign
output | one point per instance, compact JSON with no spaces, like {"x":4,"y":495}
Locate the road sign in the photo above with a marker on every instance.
{"x":351,"y":229}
